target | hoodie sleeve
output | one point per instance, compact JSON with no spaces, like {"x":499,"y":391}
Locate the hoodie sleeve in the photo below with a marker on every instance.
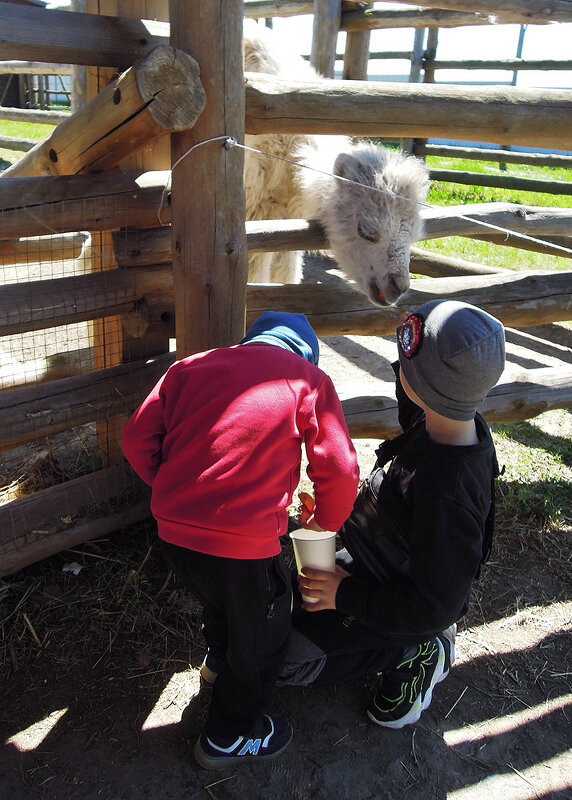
{"x":142,"y":436}
{"x":332,"y":460}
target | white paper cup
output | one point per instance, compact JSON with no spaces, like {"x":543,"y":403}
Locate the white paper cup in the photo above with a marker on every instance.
{"x":314,"y":549}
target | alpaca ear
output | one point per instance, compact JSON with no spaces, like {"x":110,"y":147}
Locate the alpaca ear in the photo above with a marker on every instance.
{"x":346,"y":166}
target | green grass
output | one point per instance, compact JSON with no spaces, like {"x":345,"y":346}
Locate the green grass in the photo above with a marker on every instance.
{"x":449,"y":194}
{"x":20,"y":130}
{"x":536,"y":486}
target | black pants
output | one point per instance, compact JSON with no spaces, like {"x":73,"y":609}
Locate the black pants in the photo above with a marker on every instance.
{"x":329,"y":646}
{"x":246,"y":623}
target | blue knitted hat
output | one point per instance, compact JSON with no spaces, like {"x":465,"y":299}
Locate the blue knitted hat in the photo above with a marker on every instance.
{"x":290,"y":331}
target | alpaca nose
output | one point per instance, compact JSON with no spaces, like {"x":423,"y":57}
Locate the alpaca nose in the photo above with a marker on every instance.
{"x":397,"y":284}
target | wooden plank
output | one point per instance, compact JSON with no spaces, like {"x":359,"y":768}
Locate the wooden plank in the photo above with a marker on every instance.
{"x":151,"y":247}
{"x":65,"y":515}
{"x":518,"y":299}
{"x":210,"y":262}
{"x":384,"y":19}
{"x":501,"y":181}
{"x":39,"y":34}
{"x":526,"y":117}
{"x":33,"y":68}
{"x":500,"y":156}
{"x":59,"y":247}
{"x":326,"y":26}
{"x":518,"y":396}
{"x":34,"y":411}
{"x":33,"y":115}
{"x":37,"y":305}
{"x":356,"y":56}
{"x":472,"y":219}
{"x":67,"y":203}
{"x":536,"y":12}
{"x":512,"y":64}
{"x":256,"y":9}
{"x":162,"y":92}
{"x":19,"y":145}
{"x":423,"y":262}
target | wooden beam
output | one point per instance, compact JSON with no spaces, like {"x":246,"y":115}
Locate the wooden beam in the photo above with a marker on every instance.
{"x":326,"y":26}
{"x":527,"y":117}
{"x":519,"y":396}
{"x":518,"y":299}
{"x":356,"y":56}
{"x":503,"y":181}
{"x":500,"y":156}
{"x":471,"y":220}
{"x":210,"y":262}
{"x":96,"y":202}
{"x":29,"y":249}
{"x":534,"y":12}
{"x":40,"y":34}
{"x":63,"y":516}
{"x":160,"y":93}
{"x":37,"y":305}
{"x":35,"y":115}
{"x":34,"y":411}
{"x":512,"y":64}
{"x":33,"y":68}
{"x":383,"y":19}
{"x":150,"y":247}
{"x":423,"y":262}
{"x":256,"y":9}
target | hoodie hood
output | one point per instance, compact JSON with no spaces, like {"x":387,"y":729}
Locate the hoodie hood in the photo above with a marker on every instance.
{"x":290,"y":331}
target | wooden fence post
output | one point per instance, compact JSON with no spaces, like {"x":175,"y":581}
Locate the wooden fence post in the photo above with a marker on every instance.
{"x":327,"y":16}
{"x":210,"y":264}
{"x":356,"y":55}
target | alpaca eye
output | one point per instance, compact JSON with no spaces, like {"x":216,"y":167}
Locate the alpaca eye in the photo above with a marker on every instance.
{"x":368,"y":235}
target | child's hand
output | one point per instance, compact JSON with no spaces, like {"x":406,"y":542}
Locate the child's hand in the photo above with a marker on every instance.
{"x":321,"y":584}
{"x":307,"y":514}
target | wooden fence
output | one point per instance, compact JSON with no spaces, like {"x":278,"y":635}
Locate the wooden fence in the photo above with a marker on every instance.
{"x":158,"y":275}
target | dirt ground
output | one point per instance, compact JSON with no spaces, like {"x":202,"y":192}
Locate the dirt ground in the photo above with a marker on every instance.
{"x":100,"y":698}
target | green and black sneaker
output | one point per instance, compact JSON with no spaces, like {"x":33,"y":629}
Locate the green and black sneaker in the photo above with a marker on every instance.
{"x":404,"y":692}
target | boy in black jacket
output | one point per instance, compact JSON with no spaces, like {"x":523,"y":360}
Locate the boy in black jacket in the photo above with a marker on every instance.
{"x":420,"y":528}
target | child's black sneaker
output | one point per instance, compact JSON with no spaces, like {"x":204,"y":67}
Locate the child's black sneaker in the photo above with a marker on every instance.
{"x":269,"y":737}
{"x":406,"y":691}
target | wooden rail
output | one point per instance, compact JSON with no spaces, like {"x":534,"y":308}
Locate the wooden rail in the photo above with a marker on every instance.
{"x":531,"y":117}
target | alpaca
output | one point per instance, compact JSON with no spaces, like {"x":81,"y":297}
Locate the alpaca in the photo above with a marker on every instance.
{"x":369,"y":231}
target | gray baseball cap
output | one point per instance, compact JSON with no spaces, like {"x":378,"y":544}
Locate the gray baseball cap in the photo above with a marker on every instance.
{"x":451,"y":354}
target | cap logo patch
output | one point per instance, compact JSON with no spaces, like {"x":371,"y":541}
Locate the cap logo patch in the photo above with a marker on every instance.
{"x":410,"y":334}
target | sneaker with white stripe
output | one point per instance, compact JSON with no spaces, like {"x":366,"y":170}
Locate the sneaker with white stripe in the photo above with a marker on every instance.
{"x":269,"y":737}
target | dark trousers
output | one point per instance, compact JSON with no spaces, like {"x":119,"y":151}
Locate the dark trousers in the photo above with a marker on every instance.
{"x":246,"y":624}
{"x":329,"y":646}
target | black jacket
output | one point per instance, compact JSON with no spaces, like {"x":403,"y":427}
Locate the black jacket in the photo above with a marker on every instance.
{"x":419,"y":531}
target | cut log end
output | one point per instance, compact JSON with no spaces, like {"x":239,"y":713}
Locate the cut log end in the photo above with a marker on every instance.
{"x":169,"y":81}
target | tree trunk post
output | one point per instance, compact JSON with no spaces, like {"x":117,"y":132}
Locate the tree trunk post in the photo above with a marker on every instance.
{"x":210,"y":263}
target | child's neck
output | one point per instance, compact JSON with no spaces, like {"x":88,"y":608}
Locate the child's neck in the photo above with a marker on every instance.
{"x":449,"y":431}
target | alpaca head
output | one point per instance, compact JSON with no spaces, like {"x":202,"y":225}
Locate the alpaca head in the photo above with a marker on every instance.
{"x":372,"y":221}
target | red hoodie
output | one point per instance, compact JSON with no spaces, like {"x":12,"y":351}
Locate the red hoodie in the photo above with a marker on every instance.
{"x":219,"y":440}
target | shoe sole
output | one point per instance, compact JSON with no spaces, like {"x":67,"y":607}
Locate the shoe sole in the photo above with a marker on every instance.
{"x":420,"y":704}
{"x":219,"y":762}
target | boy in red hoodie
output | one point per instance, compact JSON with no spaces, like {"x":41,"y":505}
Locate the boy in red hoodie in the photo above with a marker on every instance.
{"x":219,"y":439}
